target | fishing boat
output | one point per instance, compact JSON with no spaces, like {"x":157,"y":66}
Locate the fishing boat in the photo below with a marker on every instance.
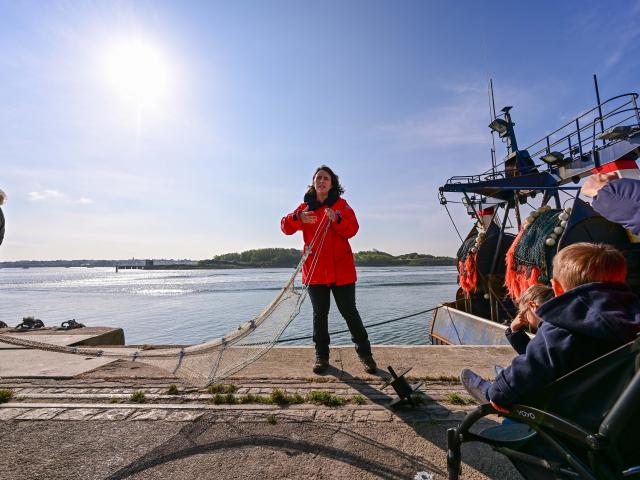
{"x":527,"y":207}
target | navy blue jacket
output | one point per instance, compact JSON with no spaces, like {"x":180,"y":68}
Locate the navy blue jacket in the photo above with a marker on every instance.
{"x":578,"y":326}
{"x":619,"y":201}
{"x":518,"y":339}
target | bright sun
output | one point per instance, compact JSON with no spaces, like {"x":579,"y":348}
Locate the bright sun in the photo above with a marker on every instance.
{"x":138,"y":71}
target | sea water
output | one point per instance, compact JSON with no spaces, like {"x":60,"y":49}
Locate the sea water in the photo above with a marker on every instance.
{"x":192,"y":306}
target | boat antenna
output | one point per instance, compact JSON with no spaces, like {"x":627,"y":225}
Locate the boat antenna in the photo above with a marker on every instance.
{"x":492,"y":114}
{"x":595,"y":84}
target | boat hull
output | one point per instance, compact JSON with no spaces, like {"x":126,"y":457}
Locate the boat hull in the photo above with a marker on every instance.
{"x":450,"y":326}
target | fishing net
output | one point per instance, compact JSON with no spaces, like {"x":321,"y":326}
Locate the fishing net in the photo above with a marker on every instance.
{"x":467,"y":268}
{"x":215,"y":360}
{"x":529,"y":258}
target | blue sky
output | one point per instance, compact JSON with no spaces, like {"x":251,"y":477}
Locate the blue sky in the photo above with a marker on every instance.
{"x":242,"y":100}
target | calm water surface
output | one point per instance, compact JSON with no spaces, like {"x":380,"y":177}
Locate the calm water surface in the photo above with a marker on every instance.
{"x":181,"y":307}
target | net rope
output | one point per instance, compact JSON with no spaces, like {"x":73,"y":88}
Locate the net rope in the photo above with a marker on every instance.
{"x":214,"y":360}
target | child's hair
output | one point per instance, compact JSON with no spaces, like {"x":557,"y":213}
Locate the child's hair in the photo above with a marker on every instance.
{"x":537,"y":294}
{"x":583,"y":262}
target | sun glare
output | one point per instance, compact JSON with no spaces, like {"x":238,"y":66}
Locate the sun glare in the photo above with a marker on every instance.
{"x":138,"y":71}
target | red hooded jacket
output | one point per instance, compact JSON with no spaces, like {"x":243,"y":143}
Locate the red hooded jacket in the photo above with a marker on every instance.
{"x":335,"y":263}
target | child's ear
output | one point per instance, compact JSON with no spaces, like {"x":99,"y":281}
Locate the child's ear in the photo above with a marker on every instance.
{"x":557,"y":288}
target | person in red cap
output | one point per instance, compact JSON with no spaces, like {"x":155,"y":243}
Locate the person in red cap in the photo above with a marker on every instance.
{"x":330,"y":268}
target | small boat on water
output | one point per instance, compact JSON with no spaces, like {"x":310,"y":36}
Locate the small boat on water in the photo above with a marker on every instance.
{"x":527,"y":207}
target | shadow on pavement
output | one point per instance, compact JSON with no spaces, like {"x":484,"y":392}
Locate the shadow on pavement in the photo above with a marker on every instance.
{"x":358,"y":453}
{"x":414,"y":418}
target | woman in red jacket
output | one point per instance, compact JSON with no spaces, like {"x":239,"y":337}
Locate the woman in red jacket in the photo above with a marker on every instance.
{"x":330,"y":266}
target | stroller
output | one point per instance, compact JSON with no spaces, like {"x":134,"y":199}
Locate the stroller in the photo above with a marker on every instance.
{"x":547,"y":439}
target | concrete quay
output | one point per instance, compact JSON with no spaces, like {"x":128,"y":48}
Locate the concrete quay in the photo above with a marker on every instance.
{"x":70,"y":418}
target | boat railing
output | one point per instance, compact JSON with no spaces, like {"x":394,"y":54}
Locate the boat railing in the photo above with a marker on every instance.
{"x":575,"y":139}
{"x":579,"y":137}
{"x":464,"y":179}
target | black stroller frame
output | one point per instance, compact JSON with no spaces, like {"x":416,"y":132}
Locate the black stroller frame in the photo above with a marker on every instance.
{"x":590,"y":454}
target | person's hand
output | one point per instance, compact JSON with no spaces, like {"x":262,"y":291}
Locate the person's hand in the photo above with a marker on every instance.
{"x":308,"y":217}
{"x":595,"y":182}
{"x":519,"y":322}
{"x":331,"y":214}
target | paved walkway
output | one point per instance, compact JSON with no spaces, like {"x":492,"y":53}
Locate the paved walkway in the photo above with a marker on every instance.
{"x":88,"y":426}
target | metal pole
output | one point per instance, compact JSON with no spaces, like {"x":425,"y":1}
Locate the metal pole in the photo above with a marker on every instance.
{"x":516,"y":207}
{"x":595,"y":82}
{"x":494,"y":263}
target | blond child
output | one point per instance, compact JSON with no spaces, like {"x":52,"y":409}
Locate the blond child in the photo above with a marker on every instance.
{"x":593,"y":313}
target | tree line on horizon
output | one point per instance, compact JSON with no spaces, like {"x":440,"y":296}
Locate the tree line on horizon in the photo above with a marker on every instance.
{"x":289,"y":257}
{"x":257,"y":258}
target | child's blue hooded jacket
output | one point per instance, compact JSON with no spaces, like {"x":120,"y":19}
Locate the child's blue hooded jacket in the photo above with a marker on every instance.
{"x":578,"y":326}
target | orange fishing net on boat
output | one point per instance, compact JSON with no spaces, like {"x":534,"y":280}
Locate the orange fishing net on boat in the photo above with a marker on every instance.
{"x":528,"y":260}
{"x":468,"y":272}
{"x":468,"y":261}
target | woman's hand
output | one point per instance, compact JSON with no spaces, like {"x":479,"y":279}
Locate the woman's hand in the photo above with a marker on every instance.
{"x":308,"y":217}
{"x":331,"y":214}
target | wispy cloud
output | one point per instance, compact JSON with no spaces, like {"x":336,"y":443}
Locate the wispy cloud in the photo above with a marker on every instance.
{"x":457,"y":124}
{"x":57,"y":196}
{"x":621,"y":26}
{"x":460,"y":120}
{"x":46,"y":195}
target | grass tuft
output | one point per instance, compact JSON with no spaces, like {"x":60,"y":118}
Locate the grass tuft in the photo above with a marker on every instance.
{"x":278,"y":397}
{"x":173,"y":389}
{"x":222,"y":388}
{"x":271,"y":419}
{"x":227,"y":399}
{"x":138,"y":396}
{"x":457,"y":399}
{"x":5,"y":395}
{"x":325,"y":398}
{"x":358,"y":400}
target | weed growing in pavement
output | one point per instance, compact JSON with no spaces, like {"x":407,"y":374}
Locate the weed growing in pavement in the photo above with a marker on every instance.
{"x":138,"y":396}
{"x":325,"y":398}
{"x":457,"y":399}
{"x":226,"y":399}
{"x":173,"y":389}
{"x":5,"y":395}
{"x":222,"y":388}
{"x":271,"y":419}
{"x":279,"y":397}
{"x":230,"y":399}
{"x":114,"y":400}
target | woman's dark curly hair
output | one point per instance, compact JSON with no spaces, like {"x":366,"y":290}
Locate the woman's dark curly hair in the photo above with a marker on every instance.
{"x":336,"y":188}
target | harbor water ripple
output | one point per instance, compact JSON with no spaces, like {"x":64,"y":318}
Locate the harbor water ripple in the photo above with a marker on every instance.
{"x":186,"y":307}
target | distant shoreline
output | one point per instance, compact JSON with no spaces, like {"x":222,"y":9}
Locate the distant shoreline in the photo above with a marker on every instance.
{"x":259,"y":258}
